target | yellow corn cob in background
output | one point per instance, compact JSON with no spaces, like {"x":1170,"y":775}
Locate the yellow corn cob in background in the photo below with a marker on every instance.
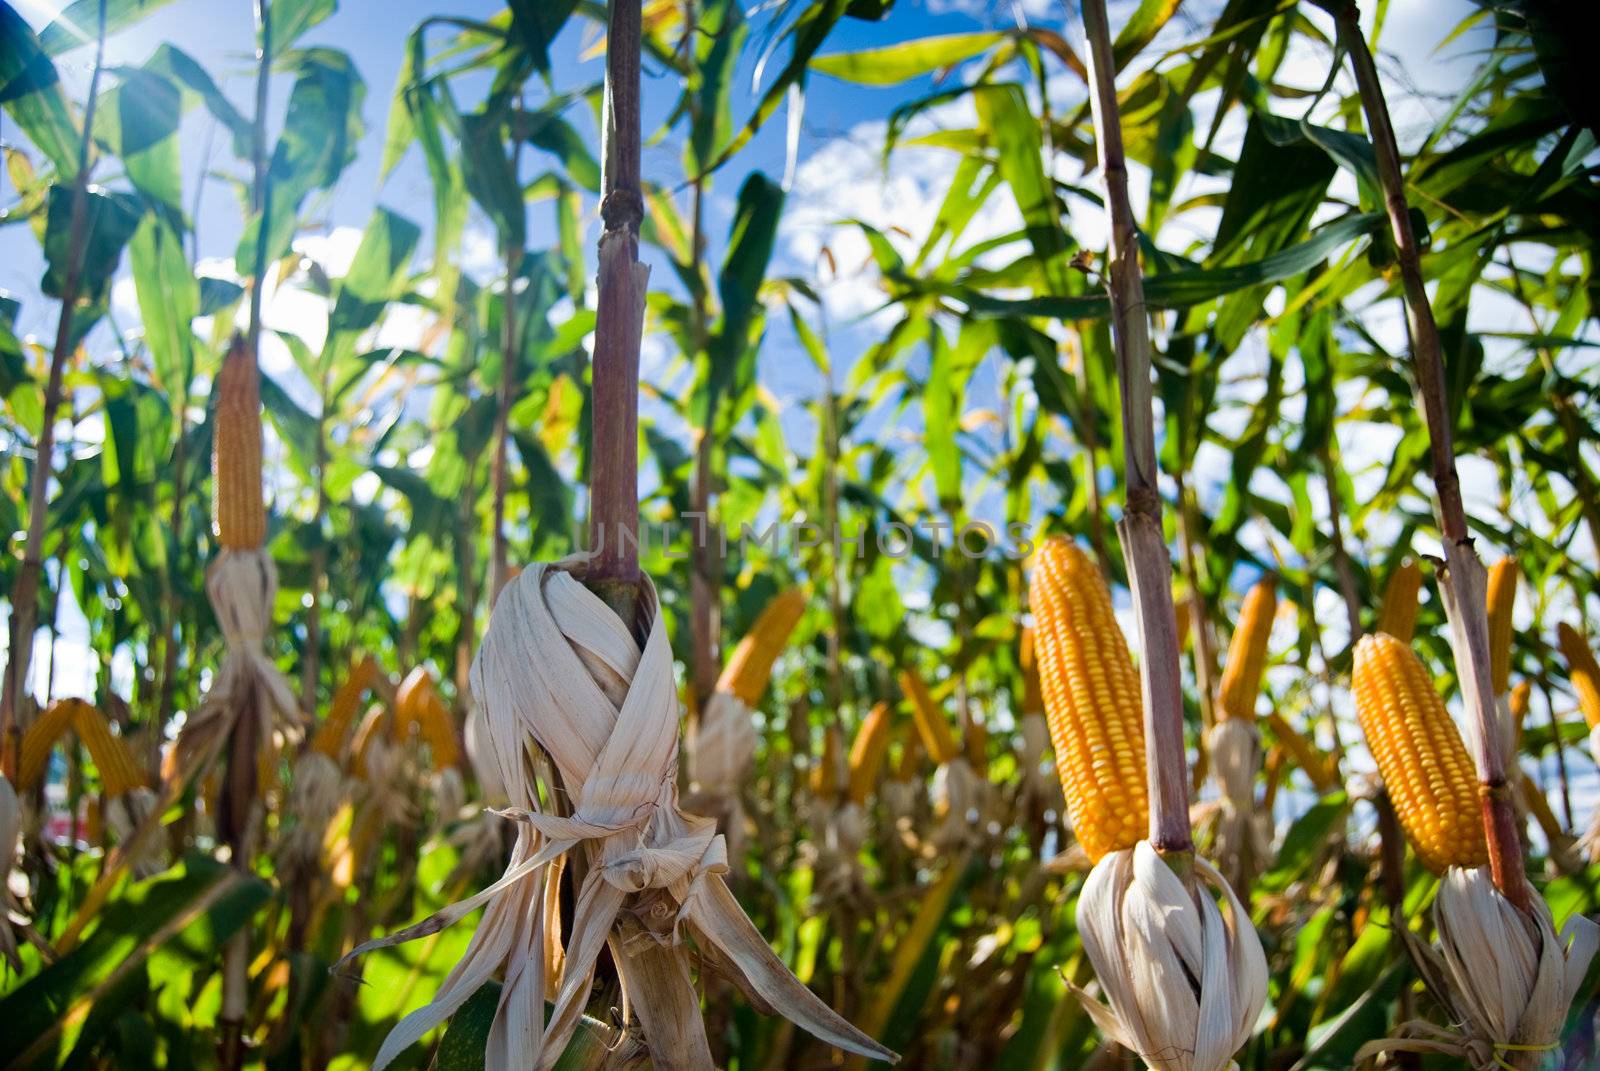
{"x":749,"y":668}
{"x":1028,"y":656}
{"x":119,"y":771}
{"x":1582,"y":671}
{"x":976,"y":739}
{"x":932,"y":725}
{"x":40,"y":738}
{"x":1520,"y":695}
{"x":1424,"y":764}
{"x":909,"y":764}
{"x":1247,"y":652}
{"x":1091,"y":698}
{"x":240,"y":514}
{"x":1180,"y":607}
{"x":825,"y":772}
{"x":1310,"y":759}
{"x":1503,"y":579}
{"x":868,"y":750}
{"x":1398,"y":615}
{"x":420,"y":710}
{"x":335,"y":728}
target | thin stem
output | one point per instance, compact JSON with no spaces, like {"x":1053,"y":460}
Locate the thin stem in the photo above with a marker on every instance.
{"x":705,"y":563}
{"x":619,"y":322}
{"x":1465,"y":580}
{"x":1144,"y":545}
{"x":25,"y":589}
{"x":510,"y":367}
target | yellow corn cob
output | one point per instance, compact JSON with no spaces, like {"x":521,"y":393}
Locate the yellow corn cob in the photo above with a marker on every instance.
{"x":1028,"y":656}
{"x":419,"y":709}
{"x":1180,"y":607}
{"x":932,"y":725}
{"x":825,"y":772}
{"x":749,"y":668}
{"x":1519,"y":707}
{"x":977,"y":744}
{"x":1398,"y":616}
{"x":909,"y":764}
{"x":867,"y":751}
{"x":1247,"y":652}
{"x":1503,"y":579}
{"x":40,"y":738}
{"x":1582,"y":671}
{"x":1306,"y":754}
{"x":119,"y":771}
{"x":241,"y":516}
{"x":1419,"y":752}
{"x":335,"y":728}
{"x":1091,"y":699}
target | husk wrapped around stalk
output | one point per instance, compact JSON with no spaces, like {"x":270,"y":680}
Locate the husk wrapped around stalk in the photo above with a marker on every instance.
{"x":560,"y":675}
{"x":1244,"y":832}
{"x":1506,"y":976}
{"x":1185,"y":978}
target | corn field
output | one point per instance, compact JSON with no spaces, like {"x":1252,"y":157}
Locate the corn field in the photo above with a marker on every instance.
{"x":768,"y":534}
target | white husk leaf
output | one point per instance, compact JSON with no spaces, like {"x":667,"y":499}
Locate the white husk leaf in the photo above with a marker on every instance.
{"x":124,"y":815}
{"x":1186,"y":980}
{"x":389,"y":784}
{"x":834,"y":851}
{"x":560,"y":674}
{"x":317,"y":789}
{"x":965,"y":803}
{"x":242,"y":586}
{"x":722,"y":742}
{"x":1244,"y":837}
{"x":1507,"y":977}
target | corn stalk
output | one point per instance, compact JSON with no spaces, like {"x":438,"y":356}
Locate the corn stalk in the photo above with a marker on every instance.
{"x":1143,"y":543}
{"x":25,"y":589}
{"x":1464,"y":580}
{"x":499,"y":568}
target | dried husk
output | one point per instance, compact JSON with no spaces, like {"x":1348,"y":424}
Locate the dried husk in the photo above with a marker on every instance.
{"x":559,"y":675}
{"x":834,"y":851}
{"x":124,"y":815}
{"x":1244,"y":836}
{"x":722,"y":746}
{"x":964,"y":802}
{"x":1041,"y":784}
{"x":317,"y":789}
{"x":1506,"y":976}
{"x":1186,"y":979}
{"x":242,"y":586}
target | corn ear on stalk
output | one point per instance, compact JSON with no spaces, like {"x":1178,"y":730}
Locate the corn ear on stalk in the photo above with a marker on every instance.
{"x":825,"y":771}
{"x":1247,"y":653}
{"x":237,"y":506}
{"x":1312,"y":762}
{"x":334,"y":732}
{"x":1028,"y":656}
{"x":119,"y":771}
{"x":1582,"y":670}
{"x":868,"y":749}
{"x":1420,"y":755}
{"x":41,"y":737}
{"x":931,"y":723}
{"x":1091,"y":696}
{"x":1503,"y":578}
{"x":420,"y":711}
{"x":749,"y":668}
{"x":1397,"y":616}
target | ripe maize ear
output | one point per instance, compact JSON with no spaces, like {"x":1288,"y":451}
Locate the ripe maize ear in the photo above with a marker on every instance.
{"x":1419,"y":752}
{"x":119,"y":771}
{"x":976,"y":735}
{"x":1028,"y":656}
{"x":335,"y":728}
{"x":1398,"y":615}
{"x":909,"y":764}
{"x":1180,"y":607}
{"x":868,"y":750}
{"x":237,"y":506}
{"x":1582,"y":670}
{"x":1091,"y":698}
{"x":932,"y":725}
{"x":1312,"y":762}
{"x":1503,"y":579}
{"x":40,"y":737}
{"x":825,"y":771}
{"x":1247,"y":652}
{"x":749,"y":668}
{"x":420,"y":710}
